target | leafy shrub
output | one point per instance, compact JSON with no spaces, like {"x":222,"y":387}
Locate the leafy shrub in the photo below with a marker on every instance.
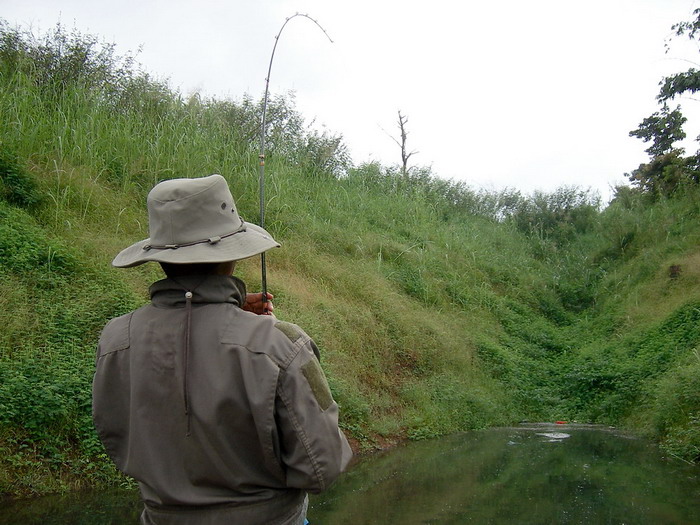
{"x":665,"y":174}
{"x":24,"y":246}
{"x":47,"y":398}
{"x":451,"y":406}
{"x":683,"y":440}
{"x":16,"y":185}
{"x":676,"y":415}
{"x":557,"y":216}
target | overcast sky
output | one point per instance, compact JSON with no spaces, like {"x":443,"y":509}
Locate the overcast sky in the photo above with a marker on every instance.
{"x":526,"y":95}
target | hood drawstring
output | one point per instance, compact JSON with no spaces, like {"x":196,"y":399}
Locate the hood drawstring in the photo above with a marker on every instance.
{"x":188,"y":286}
{"x":185,"y":357}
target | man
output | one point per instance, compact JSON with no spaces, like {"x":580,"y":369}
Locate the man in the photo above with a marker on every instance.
{"x":221,"y":415}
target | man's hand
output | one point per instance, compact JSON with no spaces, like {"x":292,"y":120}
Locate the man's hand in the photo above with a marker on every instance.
{"x":254,"y":303}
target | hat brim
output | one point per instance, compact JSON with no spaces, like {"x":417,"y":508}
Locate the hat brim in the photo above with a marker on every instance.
{"x":253,"y":241}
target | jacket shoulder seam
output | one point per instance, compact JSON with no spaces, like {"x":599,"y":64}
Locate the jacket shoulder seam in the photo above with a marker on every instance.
{"x":116,"y":335}
{"x":282,"y":363}
{"x":286,"y":348}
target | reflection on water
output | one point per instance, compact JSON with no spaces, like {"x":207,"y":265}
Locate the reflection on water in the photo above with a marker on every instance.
{"x":538,"y":474}
{"x":84,"y":508}
{"x":532,"y":474}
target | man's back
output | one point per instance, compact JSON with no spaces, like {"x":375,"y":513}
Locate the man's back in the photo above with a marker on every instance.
{"x":208,"y":405}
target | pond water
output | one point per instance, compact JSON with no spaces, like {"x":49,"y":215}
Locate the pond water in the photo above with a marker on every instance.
{"x":530,"y":474}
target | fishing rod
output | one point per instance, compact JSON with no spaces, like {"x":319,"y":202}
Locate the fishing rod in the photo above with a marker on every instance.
{"x":261,"y":156}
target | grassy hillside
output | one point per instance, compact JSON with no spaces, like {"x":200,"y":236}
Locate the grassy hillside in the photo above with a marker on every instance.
{"x":437,"y":309}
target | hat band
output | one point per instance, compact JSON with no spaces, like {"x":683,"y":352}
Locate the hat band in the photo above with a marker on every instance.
{"x":210,"y":240}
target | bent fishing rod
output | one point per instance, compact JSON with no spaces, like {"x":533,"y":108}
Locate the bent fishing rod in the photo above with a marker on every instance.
{"x":261,"y":156}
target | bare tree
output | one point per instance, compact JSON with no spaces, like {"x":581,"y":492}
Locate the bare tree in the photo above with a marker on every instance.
{"x":405,"y":154}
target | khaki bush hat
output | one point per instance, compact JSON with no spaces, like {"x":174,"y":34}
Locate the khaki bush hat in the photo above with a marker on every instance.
{"x":195,"y":221}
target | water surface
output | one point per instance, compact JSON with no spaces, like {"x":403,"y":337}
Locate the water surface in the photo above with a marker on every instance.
{"x":531,"y":474}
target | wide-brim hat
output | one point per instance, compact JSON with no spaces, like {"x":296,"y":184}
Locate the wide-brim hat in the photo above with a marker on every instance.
{"x":195,"y":221}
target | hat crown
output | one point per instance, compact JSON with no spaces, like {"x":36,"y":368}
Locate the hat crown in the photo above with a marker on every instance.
{"x":183,"y":211}
{"x":195,"y":221}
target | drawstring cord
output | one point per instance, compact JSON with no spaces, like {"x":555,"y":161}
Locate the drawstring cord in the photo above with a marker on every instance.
{"x":210,"y":240}
{"x":186,"y":351}
{"x":188,"y":333}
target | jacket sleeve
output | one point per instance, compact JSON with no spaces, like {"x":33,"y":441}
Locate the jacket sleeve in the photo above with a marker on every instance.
{"x":313,"y":448}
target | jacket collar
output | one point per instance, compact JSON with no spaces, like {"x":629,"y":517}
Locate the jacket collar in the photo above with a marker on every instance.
{"x":205,"y":289}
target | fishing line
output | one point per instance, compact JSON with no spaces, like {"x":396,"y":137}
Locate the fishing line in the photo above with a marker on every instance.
{"x":261,"y":156}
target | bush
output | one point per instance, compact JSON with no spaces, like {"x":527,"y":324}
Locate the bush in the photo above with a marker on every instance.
{"x":676,"y":414}
{"x":16,"y":185}
{"x":26,"y":249}
{"x":558,"y":216}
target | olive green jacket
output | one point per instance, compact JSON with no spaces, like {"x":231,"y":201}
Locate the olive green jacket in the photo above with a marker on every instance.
{"x":211,"y":408}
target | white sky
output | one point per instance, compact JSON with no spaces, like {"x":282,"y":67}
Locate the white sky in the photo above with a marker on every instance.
{"x":527,"y":95}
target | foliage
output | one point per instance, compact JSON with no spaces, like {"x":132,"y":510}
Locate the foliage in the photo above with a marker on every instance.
{"x":663,"y":129}
{"x":556,"y":216}
{"x":608,"y":383}
{"x":687,"y":82}
{"x":16,"y":185}
{"x":668,"y":170}
{"x":677,"y":410}
{"x":665,"y":174}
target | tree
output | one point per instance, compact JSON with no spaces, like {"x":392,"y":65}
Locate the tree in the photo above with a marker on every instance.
{"x":405,"y":154}
{"x":668,"y":169}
